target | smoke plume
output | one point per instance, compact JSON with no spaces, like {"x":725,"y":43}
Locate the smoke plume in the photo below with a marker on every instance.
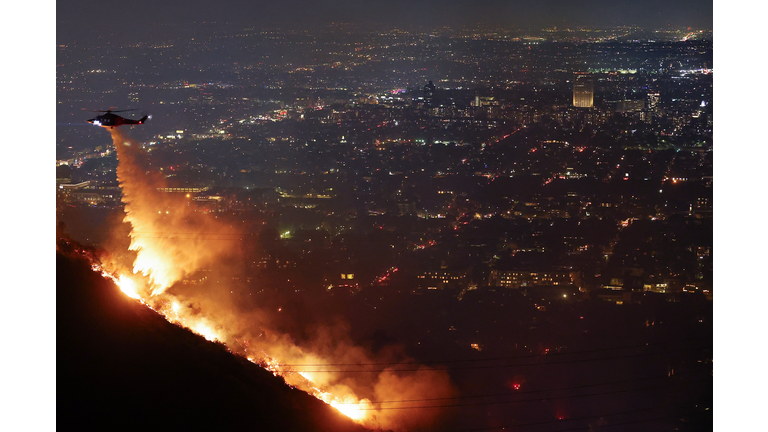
{"x":171,"y":240}
{"x":167,"y":233}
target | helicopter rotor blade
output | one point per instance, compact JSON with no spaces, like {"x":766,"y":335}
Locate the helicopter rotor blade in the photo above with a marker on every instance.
{"x":114,"y":111}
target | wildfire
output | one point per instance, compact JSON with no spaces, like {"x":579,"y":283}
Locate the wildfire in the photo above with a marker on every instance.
{"x":128,"y":287}
{"x":205,"y":331}
{"x":162,"y":254}
{"x":353,"y":410}
{"x":163,"y":259}
{"x":175,"y":313}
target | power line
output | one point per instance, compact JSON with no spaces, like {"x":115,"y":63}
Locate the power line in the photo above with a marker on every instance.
{"x":494,"y":366}
{"x":523,"y":392}
{"x":531,"y":399}
{"x":104,"y":231}
{"x":497,"y":358}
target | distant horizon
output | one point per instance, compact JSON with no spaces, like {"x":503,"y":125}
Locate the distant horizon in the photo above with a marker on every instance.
{"x":171,"y":30}
{"x":76,"y":17}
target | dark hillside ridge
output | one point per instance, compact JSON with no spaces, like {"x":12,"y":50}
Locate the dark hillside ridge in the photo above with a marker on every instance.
{"x":121,"y":366}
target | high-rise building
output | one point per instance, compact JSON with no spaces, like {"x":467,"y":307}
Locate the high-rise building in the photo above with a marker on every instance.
{"x":653,"y":101}
{"x":429,"y":95}
{"x":583,"y":90}
{"x":652,"y":108}
{"x":630,"y":106}
{"x":487,"y":106}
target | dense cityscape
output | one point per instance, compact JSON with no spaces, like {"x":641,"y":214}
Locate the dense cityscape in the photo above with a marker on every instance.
{"x":433,"y":152}
{"x":460,"y":192}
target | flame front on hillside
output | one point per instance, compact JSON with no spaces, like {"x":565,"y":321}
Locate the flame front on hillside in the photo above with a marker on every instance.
{"x":168,"y":237}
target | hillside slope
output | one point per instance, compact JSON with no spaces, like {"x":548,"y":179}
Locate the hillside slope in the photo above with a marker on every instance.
{"x":121,"y":366}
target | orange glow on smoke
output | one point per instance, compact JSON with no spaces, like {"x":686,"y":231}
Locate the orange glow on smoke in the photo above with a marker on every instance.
{"x":166,"y":233}
{"x":172,"y":240}
{"x":205,"y":331}
{"x":353,"y":410}
{"x":175,"y":312}
{"x":128,"y":287}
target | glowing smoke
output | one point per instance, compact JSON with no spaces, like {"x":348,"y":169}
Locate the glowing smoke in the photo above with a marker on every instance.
{"x":171,"y":240}
{"x":166,"y":230}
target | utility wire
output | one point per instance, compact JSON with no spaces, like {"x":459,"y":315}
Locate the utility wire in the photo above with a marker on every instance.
{"x":522,"y":392}
{"x":532,"y":399}
{"x":493,"y":366}
{"x":500,"y":358}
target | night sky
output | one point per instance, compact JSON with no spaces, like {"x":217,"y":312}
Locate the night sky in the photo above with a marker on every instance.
{"x":137,"y":14}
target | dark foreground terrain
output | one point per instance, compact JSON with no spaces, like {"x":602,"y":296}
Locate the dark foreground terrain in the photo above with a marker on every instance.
{"x":120,"y":366}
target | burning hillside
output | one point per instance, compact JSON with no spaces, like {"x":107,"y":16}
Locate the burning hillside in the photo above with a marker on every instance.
{"x":170,"y":239}
{"x":120,"y":365}
{"x":157,"y":220}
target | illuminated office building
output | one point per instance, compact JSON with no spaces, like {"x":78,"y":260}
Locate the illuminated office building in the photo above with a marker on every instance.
{"x":583,"y":90}
{"x":653,"y":101}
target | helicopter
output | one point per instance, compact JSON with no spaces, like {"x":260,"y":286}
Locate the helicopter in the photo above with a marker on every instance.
{"x":111,"y":120}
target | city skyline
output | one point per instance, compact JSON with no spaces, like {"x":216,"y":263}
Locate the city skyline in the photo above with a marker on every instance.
{"x":104,"y":27}
{"x":347,"y":170}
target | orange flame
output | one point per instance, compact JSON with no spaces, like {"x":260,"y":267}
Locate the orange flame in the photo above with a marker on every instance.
{"x":169,"y":239}
{"x":128,"y":287}
{"x":166,"y":233}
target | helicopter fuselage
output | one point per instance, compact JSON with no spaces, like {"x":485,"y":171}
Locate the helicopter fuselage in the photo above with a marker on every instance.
{"x":110,"y":120}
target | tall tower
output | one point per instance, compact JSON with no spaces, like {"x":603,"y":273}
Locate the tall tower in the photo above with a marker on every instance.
{"x":583,"y":90}
{"x":429,"y":95}
{"x":653,"y":101}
